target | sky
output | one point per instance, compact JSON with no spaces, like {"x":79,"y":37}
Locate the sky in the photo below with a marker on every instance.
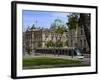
{"x":42,"y":18}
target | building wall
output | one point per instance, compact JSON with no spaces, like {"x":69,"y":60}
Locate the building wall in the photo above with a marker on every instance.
{"x":37,"y":38}
{"x":81,"y":39}
{"x":49,"y":35}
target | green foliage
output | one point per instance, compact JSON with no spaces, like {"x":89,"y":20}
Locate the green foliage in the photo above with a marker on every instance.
{"x":50,"y":44}
{"x":28,"y":48}
{"x":59,"y":30}
{"x":59,"y":43}
{"x":73,"y":21}
{"x":66,"y":43}
{"x":39,"y":44}
{"x":58,"y":26}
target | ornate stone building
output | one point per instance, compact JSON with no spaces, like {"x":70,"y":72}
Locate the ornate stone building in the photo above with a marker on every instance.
{"x":49,"y":35}
{"x":37,"y":38}
{"x":81,"y":39}
{"x":32,"y":38}
{"x":81,"y":35}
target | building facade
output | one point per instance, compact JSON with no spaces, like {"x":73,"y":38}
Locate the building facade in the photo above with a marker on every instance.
{"x":49,"y":35}
{"x":78,"y":40}
{"x":37,"y":38}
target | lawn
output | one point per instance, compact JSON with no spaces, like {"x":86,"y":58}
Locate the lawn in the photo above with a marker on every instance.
{"x":43,"y":62}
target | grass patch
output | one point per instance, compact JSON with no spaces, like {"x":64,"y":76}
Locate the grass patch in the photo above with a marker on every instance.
{"x":39,"y":61}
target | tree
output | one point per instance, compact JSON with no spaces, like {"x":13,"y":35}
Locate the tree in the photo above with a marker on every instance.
{"x":85,"y":22}
{"x":28,"y":48}
{"x":66,"y":43}
{"x":39,"y":44}
{"x":58,"y":27}
{"x":59,"y":43}
{"x":50,"y":44}
{"x":60,"y":31}
{"x":73,"y":23}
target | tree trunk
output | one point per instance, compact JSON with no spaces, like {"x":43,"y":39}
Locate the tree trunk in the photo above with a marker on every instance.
{"x":76,"y":36}
{"x":85,"y":22}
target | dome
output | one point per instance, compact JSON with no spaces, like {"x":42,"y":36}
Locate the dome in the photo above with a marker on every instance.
{"x":57,"y":23}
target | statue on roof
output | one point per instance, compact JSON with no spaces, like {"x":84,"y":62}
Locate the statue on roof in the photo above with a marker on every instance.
{"x":33,"y":27}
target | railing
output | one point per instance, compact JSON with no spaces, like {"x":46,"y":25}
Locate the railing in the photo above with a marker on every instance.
{"x":58,"y":51}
